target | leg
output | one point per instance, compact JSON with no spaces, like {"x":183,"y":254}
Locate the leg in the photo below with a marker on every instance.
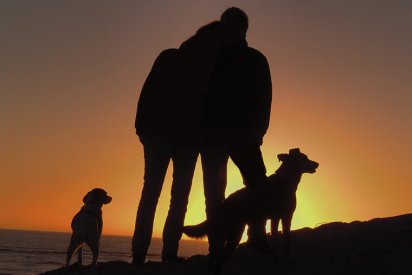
{"x":274,"y":225}
{"x":94,"y":247}
{"x":286,"y":223}
{"x":70,"y":250}
{"x":214,"y":166}
{"x":80,"y":256}
{"x":247,"y":156}
{"x":233,"y":241}
{"x":257,"y":235}
{"x":228,"y":246}
{"x":216,"y":249}
{"x":217,"y":242}
{"x":157,"y":157}
{"x":184,"y":162}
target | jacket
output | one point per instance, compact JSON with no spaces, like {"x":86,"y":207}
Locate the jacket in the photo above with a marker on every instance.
{"x":240,"y":98}
{"x":166,"y":108}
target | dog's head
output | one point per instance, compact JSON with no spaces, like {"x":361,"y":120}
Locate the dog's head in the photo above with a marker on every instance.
{"x":98,"y":196}
{"x":298,"y":161}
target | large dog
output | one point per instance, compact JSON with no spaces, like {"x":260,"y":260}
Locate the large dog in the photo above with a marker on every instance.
{"x":275,"y":200}
{"x":87,"y":226}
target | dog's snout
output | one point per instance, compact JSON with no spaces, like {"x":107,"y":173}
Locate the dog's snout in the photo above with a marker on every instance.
{"x":312,"y":166}
{"x":108,"y":199}
{"x":315,"y":166}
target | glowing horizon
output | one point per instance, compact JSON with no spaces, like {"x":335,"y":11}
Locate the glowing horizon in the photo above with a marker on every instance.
{"x":72,"y":74}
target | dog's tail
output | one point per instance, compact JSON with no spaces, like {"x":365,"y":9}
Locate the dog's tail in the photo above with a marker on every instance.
{"x":198,"y":231}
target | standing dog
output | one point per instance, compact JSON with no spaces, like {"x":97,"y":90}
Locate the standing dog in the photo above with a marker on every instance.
{"x":275,"y":200}
{"x":87,"y":226}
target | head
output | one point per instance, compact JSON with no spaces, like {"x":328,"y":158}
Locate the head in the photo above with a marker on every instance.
{"x":97,"y":196}
{"x":235,"y":23}
{"x":298,"y":162}
{"x":205,"y":36}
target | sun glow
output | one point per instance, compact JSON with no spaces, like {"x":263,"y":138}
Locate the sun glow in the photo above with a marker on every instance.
{"x":70,"y":88}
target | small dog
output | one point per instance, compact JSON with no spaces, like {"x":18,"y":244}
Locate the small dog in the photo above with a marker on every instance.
{"x":87,"y":226}
{"x":275,"y":200}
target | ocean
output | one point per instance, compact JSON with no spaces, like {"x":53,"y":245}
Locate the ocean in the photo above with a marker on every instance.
{"x":33,"y":252}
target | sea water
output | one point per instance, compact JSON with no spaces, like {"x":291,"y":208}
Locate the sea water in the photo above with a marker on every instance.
{"x":33,"y":252}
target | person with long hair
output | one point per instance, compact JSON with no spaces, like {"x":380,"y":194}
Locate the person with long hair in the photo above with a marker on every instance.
{"x":168,"y":123}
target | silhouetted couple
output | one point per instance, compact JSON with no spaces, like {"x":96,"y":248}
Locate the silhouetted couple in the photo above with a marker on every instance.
{"x":212,"y":97}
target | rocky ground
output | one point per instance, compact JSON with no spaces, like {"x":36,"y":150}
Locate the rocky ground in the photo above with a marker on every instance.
{"x":378,"y":246}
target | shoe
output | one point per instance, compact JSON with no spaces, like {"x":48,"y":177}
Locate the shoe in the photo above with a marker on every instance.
{"x":173,"y":259}
{"x":138,"y":259}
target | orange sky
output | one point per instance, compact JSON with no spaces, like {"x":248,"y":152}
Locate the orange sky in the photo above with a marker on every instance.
{"x":71,"y":73}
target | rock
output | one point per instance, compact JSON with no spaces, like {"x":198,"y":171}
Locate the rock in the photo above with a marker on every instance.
{"x":378,"y":246}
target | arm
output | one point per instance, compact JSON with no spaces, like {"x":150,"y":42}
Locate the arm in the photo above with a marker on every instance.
{"x":262,"y":86}
{"x":152,"y":93}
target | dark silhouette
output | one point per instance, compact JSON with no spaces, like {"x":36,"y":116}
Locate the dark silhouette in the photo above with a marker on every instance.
{"x":274,"y":199}
{"x":236,"y":118}
{"x":161,"y":129}
{"x":168,"y":123}
{"x":377,"y":246}
{"x":87,"y":226}
{"x":213,"y":92}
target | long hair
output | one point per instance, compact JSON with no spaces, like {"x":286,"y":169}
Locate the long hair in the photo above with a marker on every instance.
{"x":206,"y":35}
{"x":199,"y":54}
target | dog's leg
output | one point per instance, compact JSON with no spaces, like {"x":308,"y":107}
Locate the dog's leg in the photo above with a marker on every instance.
{"x":274,"y":225}
{"x":233,"y":241}
{"x":94,"y":247}
{"x":228,"y":249}
{"x":70,"y":250}
{"x":213,"y":247}
{"x":217,"y":253}
{"x":80,"y":256}
{"x":218,"y":265}
{"x":286,"y":222}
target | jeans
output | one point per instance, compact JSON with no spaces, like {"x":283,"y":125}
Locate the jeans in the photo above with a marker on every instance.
{"x":157,"y":154}
{"x":214,"y":165}
{"x":247,"y":156}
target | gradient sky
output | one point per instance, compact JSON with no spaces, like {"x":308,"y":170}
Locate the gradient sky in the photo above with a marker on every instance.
{"x":71,"y":74}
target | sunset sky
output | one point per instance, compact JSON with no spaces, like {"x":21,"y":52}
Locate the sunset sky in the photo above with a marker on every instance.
{"x":71,"y":74}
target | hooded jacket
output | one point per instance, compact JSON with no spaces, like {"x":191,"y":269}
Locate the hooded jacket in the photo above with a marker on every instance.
{"x":165,"y":108}
{"x":240,"y":100}
{"x":172,"y":100}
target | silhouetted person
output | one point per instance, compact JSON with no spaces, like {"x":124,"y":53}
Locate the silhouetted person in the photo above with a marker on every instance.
{"x":168,"y":124}
{"x":236,"y":118}
{"x":164,"y":137}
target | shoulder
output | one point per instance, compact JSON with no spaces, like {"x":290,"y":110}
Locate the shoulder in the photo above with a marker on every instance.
{"x":166,"y":58}
{"x":168,"y":54}
{"x":256,"y":55}
{"x":171,"y":51}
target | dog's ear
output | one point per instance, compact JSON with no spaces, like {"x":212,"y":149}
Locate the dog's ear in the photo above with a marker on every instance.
{"x":283,"y":157}
{"x":294,"y":151}
{"x":86,"y":197}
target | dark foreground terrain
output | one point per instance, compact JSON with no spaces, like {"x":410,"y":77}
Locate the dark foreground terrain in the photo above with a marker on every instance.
{"x":378,"y":246}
